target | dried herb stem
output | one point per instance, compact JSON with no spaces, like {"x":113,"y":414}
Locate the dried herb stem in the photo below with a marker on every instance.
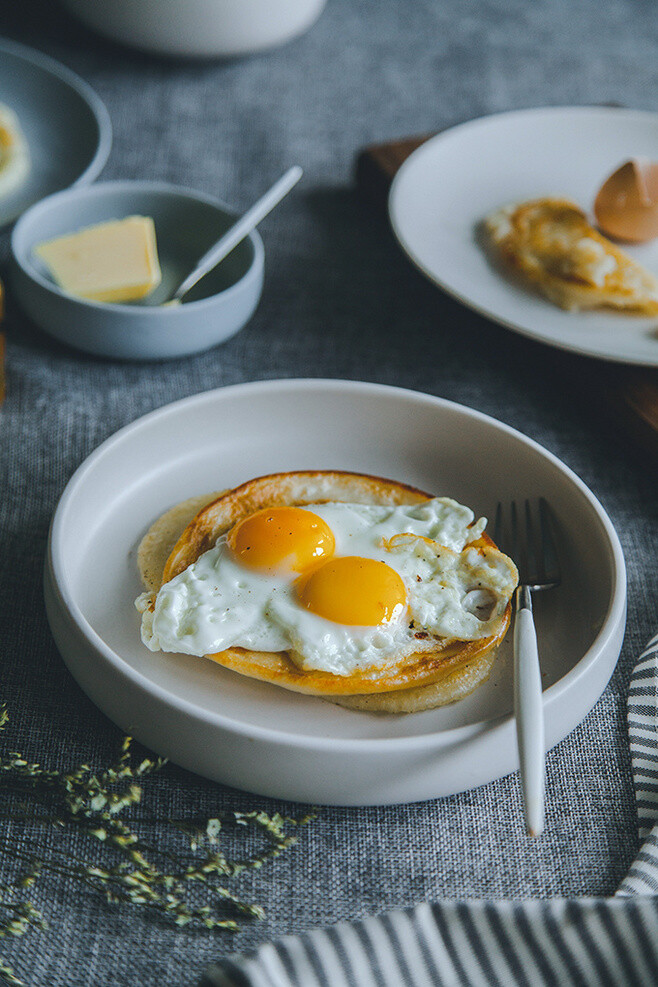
{"x":127,"y":867}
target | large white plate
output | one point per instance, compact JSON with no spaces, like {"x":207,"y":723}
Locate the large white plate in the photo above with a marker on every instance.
{"x":65,"y":123}
{"x":255,"y":736}
{"x":444,"y":190}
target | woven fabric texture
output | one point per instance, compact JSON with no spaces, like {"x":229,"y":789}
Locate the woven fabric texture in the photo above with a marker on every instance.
{"x":578,"y":942}
{"x":340,"y":301}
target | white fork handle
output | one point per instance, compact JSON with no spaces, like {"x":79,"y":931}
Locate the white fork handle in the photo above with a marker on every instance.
{"x":529,"y":712}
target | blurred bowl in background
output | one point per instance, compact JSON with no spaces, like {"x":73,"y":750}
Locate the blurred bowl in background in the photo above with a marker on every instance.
{"x":66,"y":125}
{"x":198,"y":28}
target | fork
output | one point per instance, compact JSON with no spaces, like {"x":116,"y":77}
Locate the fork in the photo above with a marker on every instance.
{"x":530,"y":544}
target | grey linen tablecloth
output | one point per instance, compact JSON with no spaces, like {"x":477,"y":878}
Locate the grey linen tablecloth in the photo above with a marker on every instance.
{"x":582,"y":942}
{"x":339,"y":301}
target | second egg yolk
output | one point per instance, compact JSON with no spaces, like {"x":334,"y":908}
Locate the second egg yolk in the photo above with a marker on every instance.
{"x":279,"y":539}
{"x":352,"y":590}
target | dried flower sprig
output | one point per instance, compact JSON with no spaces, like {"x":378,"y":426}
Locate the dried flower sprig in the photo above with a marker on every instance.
{"x":137,"y":871}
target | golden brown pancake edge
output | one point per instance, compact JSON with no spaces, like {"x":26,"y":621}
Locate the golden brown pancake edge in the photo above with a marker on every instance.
{"x":429,"y":678}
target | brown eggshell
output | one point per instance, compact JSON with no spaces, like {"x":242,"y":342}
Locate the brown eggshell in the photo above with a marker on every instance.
{"x":626,"y":206}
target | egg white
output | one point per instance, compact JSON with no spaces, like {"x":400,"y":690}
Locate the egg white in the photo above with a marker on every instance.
{"x":216,"y":603}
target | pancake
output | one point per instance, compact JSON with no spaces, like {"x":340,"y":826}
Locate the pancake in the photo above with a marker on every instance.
{"x":157,"y":544}
{"x":431,"y":673}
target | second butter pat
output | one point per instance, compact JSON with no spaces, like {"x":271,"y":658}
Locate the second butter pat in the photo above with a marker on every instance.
{"x":116,"y":261}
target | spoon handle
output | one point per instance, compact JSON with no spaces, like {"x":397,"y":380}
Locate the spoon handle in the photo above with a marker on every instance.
{"x":240,"y":230}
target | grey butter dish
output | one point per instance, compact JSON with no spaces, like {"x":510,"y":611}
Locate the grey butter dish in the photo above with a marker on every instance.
{"x":187,"y":223}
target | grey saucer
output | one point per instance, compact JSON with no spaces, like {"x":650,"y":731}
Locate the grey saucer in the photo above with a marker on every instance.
{"x":187,"y":223}
{"x":66,"y":125}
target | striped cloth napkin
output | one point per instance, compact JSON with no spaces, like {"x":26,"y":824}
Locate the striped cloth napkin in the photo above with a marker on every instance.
{"x":582,"y":942}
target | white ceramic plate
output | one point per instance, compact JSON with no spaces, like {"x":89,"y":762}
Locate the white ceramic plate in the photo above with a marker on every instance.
{"x":65,"y":123}
{"x":263,"y":739}
{"x":444,"y":190}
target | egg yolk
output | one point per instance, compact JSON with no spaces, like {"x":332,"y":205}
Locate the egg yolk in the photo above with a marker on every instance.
{"x":352,"y":590}
{"x":281,"y":539}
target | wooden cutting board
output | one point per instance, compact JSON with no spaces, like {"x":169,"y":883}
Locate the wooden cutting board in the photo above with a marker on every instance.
{"x":629,"y":394}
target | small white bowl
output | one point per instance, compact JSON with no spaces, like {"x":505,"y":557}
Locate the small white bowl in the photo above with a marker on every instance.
{"x":187,"y":223}
{"x":198,"y":28}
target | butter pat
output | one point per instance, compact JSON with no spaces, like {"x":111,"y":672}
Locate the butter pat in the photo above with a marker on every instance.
{"x":115,"y":261}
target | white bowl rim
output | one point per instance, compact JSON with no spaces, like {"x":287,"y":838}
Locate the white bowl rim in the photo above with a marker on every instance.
{"x":138,"y":185}
{"x":87,"y":94}
{"x":615,"y":611}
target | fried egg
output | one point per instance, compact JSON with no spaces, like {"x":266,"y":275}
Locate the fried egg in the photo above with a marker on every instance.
{"x":340,"y":587}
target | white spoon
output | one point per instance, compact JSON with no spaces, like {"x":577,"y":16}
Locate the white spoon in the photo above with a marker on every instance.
{"x":239,"y":230}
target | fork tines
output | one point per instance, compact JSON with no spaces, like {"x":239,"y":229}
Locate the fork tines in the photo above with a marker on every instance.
{"x":526,"y":536}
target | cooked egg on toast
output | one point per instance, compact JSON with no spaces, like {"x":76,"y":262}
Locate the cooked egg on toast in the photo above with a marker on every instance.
{"x":356,"y":589}
{"x":551,"y":244}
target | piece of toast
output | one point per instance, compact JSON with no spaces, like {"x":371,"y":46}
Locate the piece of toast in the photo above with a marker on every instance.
{"x":436,"y":674}
{"x":551,"y":244}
